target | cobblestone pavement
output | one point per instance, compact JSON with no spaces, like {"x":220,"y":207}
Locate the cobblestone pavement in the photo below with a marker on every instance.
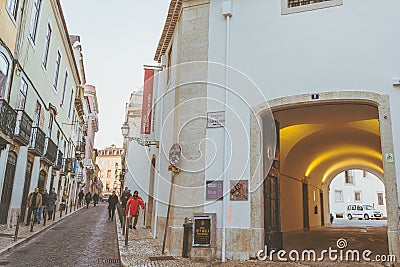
{"x":142,"y":246}
{"x":86,"y":238}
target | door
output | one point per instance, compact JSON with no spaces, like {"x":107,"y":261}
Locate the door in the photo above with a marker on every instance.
{"x":306,"y":218}
{"x":7,"y":186}
{"x":150,"y":202}
{"x":321,"y":199}
{"x":272,"y":222}
{"x":42,"y":178}
{"x":28,"y":174}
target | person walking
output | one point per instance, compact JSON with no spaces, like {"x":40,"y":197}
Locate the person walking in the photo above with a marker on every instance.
{"x":95,"y":199}
{"x":88,"y":198}
{"x":112,"y":202}
{"x":80,"y":198}
{"x":51,"y":203}
{"x":34,"y":202}
{"x":64,"y":199}
{"x":132,"y":208}
{"x":45,"y":200}
{"x":124,"y":197}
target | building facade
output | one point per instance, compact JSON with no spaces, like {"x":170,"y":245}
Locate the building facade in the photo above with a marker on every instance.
{"x":43,"y":115}
{"x":110,"y":165}
{"x":286,"y":107}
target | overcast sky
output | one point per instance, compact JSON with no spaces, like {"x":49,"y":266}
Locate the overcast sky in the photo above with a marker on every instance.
{"x":118,"y":37}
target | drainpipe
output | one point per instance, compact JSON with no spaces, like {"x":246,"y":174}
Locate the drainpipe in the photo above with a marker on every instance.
{"x":227,"y":13}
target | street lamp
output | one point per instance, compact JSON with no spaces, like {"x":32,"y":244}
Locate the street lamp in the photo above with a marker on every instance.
{"x":125,"y":131}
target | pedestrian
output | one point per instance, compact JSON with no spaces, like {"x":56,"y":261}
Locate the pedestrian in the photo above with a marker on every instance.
{"x":45,"y":200}
{"x":88,"y":198}
{"x":64,"y":199}
{"x":51,"y":203}
{"x":124,"y":197}
{"x":95,"y":199}
{"x":112,"y":202}
{"x":34,"y":202}
{"x":132,"y":208}
{"x":80,"y":198}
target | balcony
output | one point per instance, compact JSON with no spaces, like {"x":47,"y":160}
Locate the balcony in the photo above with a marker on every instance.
{"x":67,"y":165}
{"x":80,"y":146}
{"x":36,"y":146}
{"x":59,"y":161}
{"x":8,"y":118}
{"x":51,"y":150}
{"x":79,"y":98}
{"x":23,"y":128}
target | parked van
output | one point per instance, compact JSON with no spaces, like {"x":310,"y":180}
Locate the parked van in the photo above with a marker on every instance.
{"x":360,"y":211}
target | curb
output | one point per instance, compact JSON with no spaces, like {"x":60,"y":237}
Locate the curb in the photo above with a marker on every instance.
{"x":22,"y":241}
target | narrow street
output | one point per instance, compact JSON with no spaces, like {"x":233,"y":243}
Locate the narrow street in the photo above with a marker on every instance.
{"x":87,"y":238}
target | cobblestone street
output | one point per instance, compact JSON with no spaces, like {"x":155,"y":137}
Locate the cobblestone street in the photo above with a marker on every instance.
{"x":86,"y":238}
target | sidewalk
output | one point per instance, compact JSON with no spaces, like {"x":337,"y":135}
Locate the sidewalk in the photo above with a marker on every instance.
{"x":7,"y":242}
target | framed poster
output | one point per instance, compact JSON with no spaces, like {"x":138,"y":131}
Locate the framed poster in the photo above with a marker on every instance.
{"x":202,"y":231}
{"x":214,"y":190}
{"x":239,"y":190}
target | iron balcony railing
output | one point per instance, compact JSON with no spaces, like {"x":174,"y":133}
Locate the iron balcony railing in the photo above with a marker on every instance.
{"x":37,"y":141}
{"x":80,"y":146}
{"x":8,"y":118}
{"x":59,"y":161}
{"x":51,"y":150}
{"x":67,"y":165}
{"x":23,"y":128}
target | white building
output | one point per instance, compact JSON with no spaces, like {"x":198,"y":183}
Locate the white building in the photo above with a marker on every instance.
{"x":356,"y":187}
{"x":312,"y":93}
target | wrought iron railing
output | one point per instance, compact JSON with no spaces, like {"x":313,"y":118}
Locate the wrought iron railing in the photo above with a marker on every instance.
{"x":51,"y":150}
{"x":23,"y":127}
{"x":59,"y":161}
{"x":38,"y":138}
{"x":8,"y":118}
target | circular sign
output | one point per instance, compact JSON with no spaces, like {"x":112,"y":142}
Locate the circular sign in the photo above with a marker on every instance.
{"x":175,"y":154}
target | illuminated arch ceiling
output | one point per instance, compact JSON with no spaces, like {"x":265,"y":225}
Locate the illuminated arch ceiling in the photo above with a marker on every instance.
{"x":318,"y":140}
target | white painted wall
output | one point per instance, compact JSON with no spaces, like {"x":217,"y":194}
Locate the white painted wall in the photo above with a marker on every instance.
{"x":369,"y":187}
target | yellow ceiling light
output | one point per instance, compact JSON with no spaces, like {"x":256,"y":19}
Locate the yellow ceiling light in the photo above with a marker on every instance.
{"x":349,"y":163}
{"x":340,"y":151}
{"x":371,"y":126}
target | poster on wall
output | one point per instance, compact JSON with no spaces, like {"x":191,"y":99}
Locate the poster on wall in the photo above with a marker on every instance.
{"x":239,"y":190}
{"x":214,"y":190}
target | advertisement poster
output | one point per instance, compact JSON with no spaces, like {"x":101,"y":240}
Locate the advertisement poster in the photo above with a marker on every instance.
{"x":214,"y":190}
{"x":239,"y":190}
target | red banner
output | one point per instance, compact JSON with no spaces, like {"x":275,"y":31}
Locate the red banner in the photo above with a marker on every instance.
{"x":147,"y":102}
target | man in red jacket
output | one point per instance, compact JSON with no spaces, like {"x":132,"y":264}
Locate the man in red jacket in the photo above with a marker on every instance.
{"x":132,"y":206}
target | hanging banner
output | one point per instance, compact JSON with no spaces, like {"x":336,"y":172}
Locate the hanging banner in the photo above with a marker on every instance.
{"x":145,"y":127}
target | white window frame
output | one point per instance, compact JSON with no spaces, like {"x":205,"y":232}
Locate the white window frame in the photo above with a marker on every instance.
{"x":285,"y":10}
{"x":23,"y":92}
{"x":350,"y":174}
{"x":57,"y":69}
{"x":35,"y":16}
{"x":12,"y":8}
{"x":341,"y":194}
{"x":46,"y":50}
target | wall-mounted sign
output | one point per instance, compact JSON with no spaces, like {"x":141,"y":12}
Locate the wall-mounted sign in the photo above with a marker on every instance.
{"x":214,"y":190}
{"x":215,"y":119}
{"x":202,"y":231}
{"x":389,"y":157}
{"x":239,"y":190}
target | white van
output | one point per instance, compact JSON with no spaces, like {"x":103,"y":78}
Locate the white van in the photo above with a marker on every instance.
{"x":360,"y":211}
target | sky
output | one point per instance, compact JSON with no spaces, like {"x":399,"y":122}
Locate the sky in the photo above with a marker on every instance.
{"x":118,"y":37}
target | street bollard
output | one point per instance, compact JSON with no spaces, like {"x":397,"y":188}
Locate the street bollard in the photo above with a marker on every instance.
{"x":44,"y":216}
{"x":126,"y":230}
{"x":33,"y":219}
{"x":66,"y":208}
{"x":16,"y":229}
{"x":61,"y":208}
{"x":123,"y":223}
{"x":187,"y":238}
{"x":54,"y":213}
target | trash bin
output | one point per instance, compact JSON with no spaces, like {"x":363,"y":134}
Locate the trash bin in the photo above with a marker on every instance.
{"x":187,"y":237}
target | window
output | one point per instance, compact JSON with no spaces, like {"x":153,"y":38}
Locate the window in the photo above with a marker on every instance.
{"x":338,"y":196}
{"x":36,"y":117}
{"x":46,"y":46}
{"x":57,"y":71}
{"x":349,"y":177}
{"x":294,"y":6}
{"x":35,"y":19}
{"x":3,"y":74}
{"x":50,"y":127}
{"x":357,"y":196}
{"x":12,"y":8}
{"x":108,"y":173}
{"x":64,"y":88}
{"x":380,"y":198}
{"x":70,"y":103}
{"x":108,"y":186}
{"x":23,"y":89}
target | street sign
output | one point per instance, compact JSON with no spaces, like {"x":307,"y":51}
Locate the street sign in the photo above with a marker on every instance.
{"x":175,"y":154}
{"x":215,"y":119}
{"x":389,"y":157}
